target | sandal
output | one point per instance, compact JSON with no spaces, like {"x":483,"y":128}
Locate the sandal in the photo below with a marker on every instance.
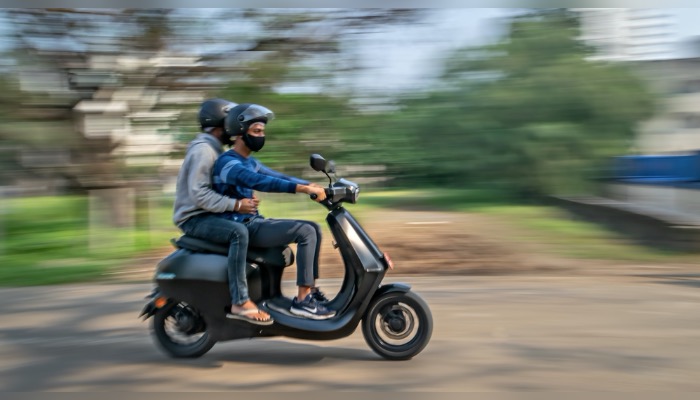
{"x":247,"y":316}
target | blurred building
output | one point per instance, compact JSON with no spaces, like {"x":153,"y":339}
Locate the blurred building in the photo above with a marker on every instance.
{"x":124,"y":106}
{"x":628,"y":34}
{"x":675,"y":126}
{"x":645,"y":38}
{"x":654,"y":191}
{"x":135,"y":114}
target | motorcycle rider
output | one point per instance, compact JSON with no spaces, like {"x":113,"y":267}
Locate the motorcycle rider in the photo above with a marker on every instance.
{"x":237,"y":174}
{"x":197,"y":204}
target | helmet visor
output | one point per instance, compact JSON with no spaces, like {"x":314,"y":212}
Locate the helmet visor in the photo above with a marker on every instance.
{"x":254,"y":112}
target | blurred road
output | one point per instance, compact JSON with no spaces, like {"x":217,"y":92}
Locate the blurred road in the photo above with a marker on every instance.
{"x":497,"y":333}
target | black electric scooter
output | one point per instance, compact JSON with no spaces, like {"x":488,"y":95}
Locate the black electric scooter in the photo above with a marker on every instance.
{"x":189,"y":303}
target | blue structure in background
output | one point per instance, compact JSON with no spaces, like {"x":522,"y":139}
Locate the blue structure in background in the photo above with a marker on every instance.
{"x":665,"y":170}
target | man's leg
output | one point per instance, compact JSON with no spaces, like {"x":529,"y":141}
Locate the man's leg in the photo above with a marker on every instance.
{"x":317,"y":231}
{"x":281,"y":232}
{"x":220,"y":230}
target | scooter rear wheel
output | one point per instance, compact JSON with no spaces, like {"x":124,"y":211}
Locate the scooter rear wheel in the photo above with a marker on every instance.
{"x":180,"y":331}
{"x":398,"y":326}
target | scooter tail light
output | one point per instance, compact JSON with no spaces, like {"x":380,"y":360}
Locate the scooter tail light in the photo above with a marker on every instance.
{"x":388,"y":260}
{"x":160,"y":302}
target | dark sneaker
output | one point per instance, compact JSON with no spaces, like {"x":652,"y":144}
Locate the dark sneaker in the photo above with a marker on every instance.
{"x":310,"y":308}
{"x":317,"y":294}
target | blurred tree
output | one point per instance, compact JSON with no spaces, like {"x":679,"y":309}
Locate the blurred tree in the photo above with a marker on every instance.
{"x":77,"y":67}
{"x":294,"y":57}
{"x":57,"y":53}
{"x":87,"y":80}
{"x":9,"y":162}
{"x":529,"y":116}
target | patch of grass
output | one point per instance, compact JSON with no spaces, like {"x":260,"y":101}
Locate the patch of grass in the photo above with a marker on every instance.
{"x":433,"y":199}
{"x":48,"y":240}
{"x":568,"y":236}
{"x":555,"y":229}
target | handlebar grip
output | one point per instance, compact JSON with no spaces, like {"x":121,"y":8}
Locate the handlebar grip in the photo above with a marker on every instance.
{"x":313,"y":196}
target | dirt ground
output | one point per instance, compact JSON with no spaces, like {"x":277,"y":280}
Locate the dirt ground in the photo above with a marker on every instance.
{"x":421,"y":242}
{"x":444,"y":243}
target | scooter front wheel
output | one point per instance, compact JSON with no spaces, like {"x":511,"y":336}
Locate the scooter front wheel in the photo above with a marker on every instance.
{"x":180,"y":331}
{"x":398,"y":326}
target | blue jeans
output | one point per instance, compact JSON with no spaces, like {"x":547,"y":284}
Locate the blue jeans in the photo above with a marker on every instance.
{"x":215,"y":229}
{"x":270,"y":232}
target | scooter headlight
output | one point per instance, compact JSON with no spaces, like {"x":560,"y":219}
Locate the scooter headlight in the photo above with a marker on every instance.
{"x":352,"y":193}
{"x":348,"y":191}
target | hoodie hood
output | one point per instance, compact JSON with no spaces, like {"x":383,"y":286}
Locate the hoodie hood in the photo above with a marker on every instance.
{"x":208,"y":139}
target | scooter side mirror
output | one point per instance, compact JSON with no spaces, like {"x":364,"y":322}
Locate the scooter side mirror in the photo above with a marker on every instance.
{"x":330,"y":167}
{"x":317,"y":162}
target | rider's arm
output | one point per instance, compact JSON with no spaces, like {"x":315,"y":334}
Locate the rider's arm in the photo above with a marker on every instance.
{"x":263,"y":169}
{"x":200,"y":161}
{"x":233,"y":172}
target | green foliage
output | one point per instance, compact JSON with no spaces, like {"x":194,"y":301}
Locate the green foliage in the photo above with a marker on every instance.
{"x":531,"y":115}
{"x":303,"y":124}
{"x":564,"y":235}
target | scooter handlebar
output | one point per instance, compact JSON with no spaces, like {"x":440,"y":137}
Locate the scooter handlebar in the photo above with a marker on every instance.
{"x":329,"y":193}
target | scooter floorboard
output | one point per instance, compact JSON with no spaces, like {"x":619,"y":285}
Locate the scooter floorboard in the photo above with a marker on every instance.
{"x":279,"y":304}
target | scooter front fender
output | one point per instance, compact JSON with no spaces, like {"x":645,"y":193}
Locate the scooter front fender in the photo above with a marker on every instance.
{"x":391,"y":287}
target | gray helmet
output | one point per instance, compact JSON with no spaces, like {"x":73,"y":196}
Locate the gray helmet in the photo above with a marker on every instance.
{"x":212,"y":113}
{"x":242,"y":116}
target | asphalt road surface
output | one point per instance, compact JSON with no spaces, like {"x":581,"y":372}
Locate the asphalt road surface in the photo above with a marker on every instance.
{"x":496,"y":333}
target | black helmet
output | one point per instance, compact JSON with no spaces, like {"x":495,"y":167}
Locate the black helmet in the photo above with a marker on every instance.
{"x":242,"y":116}
{"x":212,"y":113}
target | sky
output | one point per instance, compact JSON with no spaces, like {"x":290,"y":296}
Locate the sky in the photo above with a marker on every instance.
{"x":404,"y":57}
{"x":687,"y":21}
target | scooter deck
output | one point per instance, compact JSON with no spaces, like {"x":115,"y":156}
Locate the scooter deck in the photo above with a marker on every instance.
{"x":279,"y":304}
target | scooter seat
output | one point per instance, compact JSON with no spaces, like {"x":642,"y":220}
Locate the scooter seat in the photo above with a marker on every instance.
{"x":275,"y":256}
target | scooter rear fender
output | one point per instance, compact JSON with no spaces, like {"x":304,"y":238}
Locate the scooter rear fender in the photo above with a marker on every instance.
{"x":151,"y":307}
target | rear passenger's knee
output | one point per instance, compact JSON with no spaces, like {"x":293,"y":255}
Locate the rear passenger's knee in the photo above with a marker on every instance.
{"x":238,"y":232}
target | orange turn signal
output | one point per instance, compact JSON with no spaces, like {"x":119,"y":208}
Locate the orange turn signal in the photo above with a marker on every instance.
{"x":388,"y":261}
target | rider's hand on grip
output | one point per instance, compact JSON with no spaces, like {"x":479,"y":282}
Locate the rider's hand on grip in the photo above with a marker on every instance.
{"x":317,"y":193}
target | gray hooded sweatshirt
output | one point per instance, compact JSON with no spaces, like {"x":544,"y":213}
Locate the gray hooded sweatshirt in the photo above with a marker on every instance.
{"x":193,"y":193}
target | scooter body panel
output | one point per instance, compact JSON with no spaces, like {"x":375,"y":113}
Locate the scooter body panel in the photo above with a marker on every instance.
{"x":364,"y":270}
{"x":184,"y":264}
{"x":201,"y":280}
{"x":355,"y":240}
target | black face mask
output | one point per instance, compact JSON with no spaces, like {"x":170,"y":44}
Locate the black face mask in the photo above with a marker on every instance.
{"x":254,"y":143}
